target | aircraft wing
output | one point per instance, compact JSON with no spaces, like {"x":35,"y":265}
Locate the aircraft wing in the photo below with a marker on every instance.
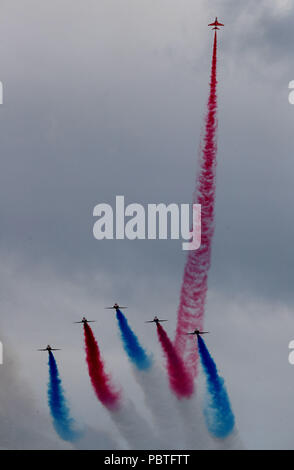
{"x":87,"y":321}
{"x":113,"y":308}
{"x":42,"y":349}
{"x":162,"y":320}
{"x":216,"y":23}
{"x":54,"y":349}
{"x":150,"y":321}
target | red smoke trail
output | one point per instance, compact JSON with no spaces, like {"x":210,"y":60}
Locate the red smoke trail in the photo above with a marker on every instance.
{"x":100,"y":380}
{"x":194,"y":285}
{"x":180,"y":380}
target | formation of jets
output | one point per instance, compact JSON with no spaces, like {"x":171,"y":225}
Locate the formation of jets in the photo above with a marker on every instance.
{"x":116,"y":307}
{"x":155,"y":320}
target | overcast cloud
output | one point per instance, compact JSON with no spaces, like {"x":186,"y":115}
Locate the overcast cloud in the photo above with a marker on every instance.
{"x":107,"y":98}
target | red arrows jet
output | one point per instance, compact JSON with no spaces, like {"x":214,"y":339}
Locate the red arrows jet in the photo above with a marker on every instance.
{"x":84,"y":320}
{"x":197,"y":332}
{"x":48,"y":348}
{"x":155,"y":320}
{"x":114,"y":307}
{"x":216,"y":24}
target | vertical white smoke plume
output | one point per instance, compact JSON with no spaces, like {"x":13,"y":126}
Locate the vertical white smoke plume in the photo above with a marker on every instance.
{"x":162,"y":406}
{"x":133,"y":427}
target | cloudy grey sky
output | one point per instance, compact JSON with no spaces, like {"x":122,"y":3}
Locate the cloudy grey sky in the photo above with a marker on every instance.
{"x":107,"y":98}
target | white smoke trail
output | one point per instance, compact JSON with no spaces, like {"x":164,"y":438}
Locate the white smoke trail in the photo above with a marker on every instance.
{"x":133,"y":427}
{"x":232,"y":442}
{"x":181,"y":422}
{"x":194,"y":428}
{"x":197,"y":435}
{"x":161,"y":404}
{"x":93,"y":439}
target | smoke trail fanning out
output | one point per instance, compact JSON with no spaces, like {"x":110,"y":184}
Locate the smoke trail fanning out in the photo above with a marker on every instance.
{"x":218,"y":413}
{"x":129,"y":422}
{"x":162,"y":405}
{"x":134,"y":350}
{"x":194,"y":285}
{"x":150,"y":379}
{"x":64,"y":425}
{"x":180,"y":380}
{"x":101,"y":382}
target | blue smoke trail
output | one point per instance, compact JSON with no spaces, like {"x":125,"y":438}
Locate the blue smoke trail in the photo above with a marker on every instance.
{"x":218,"y":414}
{"x":134,"y":350}
{"x":62,"y":422}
